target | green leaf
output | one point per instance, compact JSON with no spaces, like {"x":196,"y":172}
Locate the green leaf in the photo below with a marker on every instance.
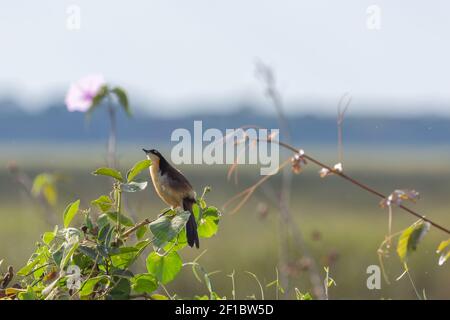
{"x":88,"y":286}
{"x":58,"y":254}
{"x":302,"y":296}
{"x":127,"y":255}
{"x":177,"y":243}
{"x":104,"y":203}
{"x":29,"y":295}
{"x":410,"y":238}
{"x":164,"y":268}
{"x":102,"y":220}
{"x":48,"y":237}
{"x":36,"y":258}
{"x":166,"y":228}
{"x":444,"y":251}
{"x":157,"y":296}
{"x":45,"y":184}
{"x":68,"y":253}
{"x":123,"y":99}
{"x":124,"y":220}
{"x":70,"y":212}
{"x":144,"y":283}
{"x":88,"y":222}
{"x":133,"y":186}
{"x":141,"y":231}
{"x":121,"y":290}
{"x":208,"y":223}
{"x":137,"y":168}
{"x":101,"y":94}
{"x":109,"y":172}
{"x":444,"y":244}
{"x":88,"y":251}
{"x":103,"y":233}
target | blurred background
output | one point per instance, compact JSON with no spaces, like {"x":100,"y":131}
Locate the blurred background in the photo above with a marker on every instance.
{"x":181,"y":61}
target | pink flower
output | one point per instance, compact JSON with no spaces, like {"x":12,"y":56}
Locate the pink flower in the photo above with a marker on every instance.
{"x":82,"y":93}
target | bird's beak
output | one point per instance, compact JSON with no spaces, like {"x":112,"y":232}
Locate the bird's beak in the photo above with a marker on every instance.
{"x":145,"y":150}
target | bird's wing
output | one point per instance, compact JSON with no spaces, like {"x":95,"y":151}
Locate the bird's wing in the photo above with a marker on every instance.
{"x":178,"y":181}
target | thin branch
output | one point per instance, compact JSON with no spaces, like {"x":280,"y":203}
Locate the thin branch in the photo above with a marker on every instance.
{"x":137,"y":226}
{"x":358,"y":184}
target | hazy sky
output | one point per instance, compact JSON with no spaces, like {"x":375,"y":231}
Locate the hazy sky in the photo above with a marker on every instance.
{"x":185,"y":52}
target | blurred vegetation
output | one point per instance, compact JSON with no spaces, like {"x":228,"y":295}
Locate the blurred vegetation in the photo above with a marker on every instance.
{"x":342,"y":225}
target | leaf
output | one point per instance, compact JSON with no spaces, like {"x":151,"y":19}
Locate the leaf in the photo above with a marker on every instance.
{"x":88,"y":286}
{"x":88,"y":222}
{"x":121,"y":290}
{"x":88,"y":252}
{"x":302,"y":296}
{"x":208,"y":224}
{"x":144,"y":283}
{"x":157,"y":296}
{"x":68,"y":253}
{"x":70,"y":212}
{"x":137,"y":168}
{"x":123,"y":99}
{"x":109,"y":172}
{"x":48,"y":237}
{"x":177,"y":243}
{"x":102,"y":220}
{"x":141,"y":231}
{"x":101,"y":94}
{"x":32,"y":262}
{"x":444,"y":258}
{"x":104,"y":203}
{"x":444,"y":250}
{"x":58,"y":254}
{"x":104,"y":231}
{"x":127,"y":255}
{"x":164,"y":268}
{"x":124,"y":220}
{"x":410,"y":238}
{"x":29,"y":295}
{"x":44,"y":184}
{"x":166,"y":228}
{"x":133,"y":186}
{"x":11,"y":291}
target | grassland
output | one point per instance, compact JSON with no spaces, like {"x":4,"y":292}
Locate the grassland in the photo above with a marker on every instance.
{"x":349,"y":221}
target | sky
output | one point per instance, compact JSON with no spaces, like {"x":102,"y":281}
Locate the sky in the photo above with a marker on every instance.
{"x":191,"y":55}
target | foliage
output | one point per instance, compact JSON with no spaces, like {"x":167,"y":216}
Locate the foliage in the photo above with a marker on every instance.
{"x":45,"y":184}
{"x":410,"y":238}
{"x":95,"y":260}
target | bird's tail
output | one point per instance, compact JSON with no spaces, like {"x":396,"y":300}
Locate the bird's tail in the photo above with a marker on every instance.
{"x":191,"y":225}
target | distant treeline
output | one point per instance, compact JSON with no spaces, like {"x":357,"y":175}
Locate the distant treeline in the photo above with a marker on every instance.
{"x":58,"y":125}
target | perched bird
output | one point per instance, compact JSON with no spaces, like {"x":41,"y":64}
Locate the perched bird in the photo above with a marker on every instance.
{"x":174,"y":189}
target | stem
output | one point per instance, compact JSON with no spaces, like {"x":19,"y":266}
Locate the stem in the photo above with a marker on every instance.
{"x":119,"y":202}
{"x":112,"y":134}
{"x":137,"y":226}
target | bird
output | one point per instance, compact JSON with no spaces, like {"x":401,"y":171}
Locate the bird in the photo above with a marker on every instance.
{"x":174,"y":189}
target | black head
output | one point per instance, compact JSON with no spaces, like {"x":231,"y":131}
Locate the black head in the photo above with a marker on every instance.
{"x":152,"y":151}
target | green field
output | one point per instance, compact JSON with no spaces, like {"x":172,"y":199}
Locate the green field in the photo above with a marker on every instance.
{"x":350,"y":222}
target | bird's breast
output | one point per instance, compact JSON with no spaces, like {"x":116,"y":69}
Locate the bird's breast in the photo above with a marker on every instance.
{"x":162,"y":187}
